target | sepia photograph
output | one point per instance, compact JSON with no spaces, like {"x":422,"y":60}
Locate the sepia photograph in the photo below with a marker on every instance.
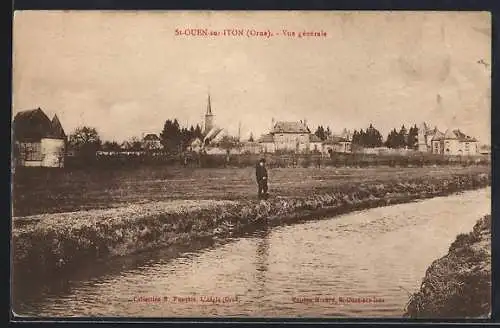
{"x":251,"y":164}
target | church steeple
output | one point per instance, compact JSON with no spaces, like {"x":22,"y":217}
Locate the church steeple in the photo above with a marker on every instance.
{"x":209,"y":106}
{"x":209,"y":117}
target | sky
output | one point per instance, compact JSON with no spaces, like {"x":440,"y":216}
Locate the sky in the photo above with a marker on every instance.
{"x":125,"y":73}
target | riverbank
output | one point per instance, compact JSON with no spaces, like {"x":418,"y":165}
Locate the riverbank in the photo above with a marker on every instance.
{"x":458,"y":284}
{"x":48,"y":244}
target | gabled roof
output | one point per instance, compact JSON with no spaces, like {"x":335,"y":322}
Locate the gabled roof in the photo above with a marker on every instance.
{"x":151,"y":137}
{"x":212,"y":134}
{"x":57,"y":129}
{"x":457,"y":135}
{"x":33,"y":125}
{"x":266,"y":138}
{"x":438,"y":136}
{"x":290,"y":127}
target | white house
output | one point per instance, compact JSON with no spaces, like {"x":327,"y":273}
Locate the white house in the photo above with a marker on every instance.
{"x":38,"y":141}
{"x":454,"y":142}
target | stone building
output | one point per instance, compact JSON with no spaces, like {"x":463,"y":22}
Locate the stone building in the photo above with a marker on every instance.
{"x":290,"y":137}
{"x":455,"y":142}
{"x":38,"y":141}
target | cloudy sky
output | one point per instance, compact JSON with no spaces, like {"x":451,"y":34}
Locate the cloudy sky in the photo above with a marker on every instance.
{"x":125,"y":73}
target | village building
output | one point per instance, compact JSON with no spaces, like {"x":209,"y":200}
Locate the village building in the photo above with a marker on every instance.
{"x":425,"y":136}
{"x":455,"y":142}
{"x":290,"y":137}
{"x":341,"y":143}
{"x":212,"y":134}
{"x":451,"y":142}
{"x":38,"y":141}
{"x":151,"y":142}
{"x":251,"y":147}
{"x":337,"y":144}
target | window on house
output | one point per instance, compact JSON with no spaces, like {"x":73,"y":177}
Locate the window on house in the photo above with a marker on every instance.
{"x":32,"y":151}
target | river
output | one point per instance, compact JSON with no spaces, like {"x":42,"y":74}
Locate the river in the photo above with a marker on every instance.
{"x":362,"y":264}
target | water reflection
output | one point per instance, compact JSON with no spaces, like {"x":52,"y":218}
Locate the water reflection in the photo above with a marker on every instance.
{"x":380,"y":252}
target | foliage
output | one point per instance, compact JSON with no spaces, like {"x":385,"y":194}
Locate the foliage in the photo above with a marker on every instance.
{"x":370,"y":138}
{"x":85,"y":140}
{"x":323,"y":133}
{"x":111,"y":146}
{"x":175,"y":138}
{"x":228,"y":142}
{"x":403,"y":139}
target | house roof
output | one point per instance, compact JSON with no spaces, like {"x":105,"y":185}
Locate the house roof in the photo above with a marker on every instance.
{"x":57,"y":129}
{"x":438,"y":136}
{"x":266,"y":138}
{"x":33,"y":125}
{"x":213,"y":134}
{"x":335,"y":140}
{"x":457,"y":135}
{"x":290,"y":127}
{"x":151,"y":137}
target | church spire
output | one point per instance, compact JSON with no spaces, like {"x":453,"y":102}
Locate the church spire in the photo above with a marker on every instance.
{"x":209,"y":106}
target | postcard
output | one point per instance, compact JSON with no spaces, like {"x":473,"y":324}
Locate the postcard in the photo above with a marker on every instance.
{"x":251,"y":164}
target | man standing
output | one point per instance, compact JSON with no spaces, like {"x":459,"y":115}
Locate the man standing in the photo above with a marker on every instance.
{"x":261,"y":174}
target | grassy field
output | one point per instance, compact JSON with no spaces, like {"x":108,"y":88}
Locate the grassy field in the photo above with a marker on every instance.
{"x":37,"y":190}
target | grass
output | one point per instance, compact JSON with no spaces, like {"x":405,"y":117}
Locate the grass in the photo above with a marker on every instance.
{"x":50,"y":243}
{"x":458,"y":284}
{"x":38,"y":190}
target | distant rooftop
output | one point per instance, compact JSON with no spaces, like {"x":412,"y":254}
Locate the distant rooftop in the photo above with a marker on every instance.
{"x":290,"y":127}
{"x":34,"y":125}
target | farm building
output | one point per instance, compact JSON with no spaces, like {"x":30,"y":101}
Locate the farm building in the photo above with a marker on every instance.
{"x":38,"y":141}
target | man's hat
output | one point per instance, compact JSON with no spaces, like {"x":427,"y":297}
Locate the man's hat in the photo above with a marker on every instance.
{"x":263,"y":160}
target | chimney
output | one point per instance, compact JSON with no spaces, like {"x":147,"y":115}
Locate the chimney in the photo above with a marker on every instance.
{"x":305,"y":123}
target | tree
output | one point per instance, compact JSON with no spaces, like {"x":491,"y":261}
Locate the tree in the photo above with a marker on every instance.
{"x":356,"y":138}
{"x":171,"y":137}
{"x":110,"y":146}
{"x":251,"y":137}
{"x":135,"y":144}
{"x":85,"y":140}
{"x":373,"y":138}
{"x":402,"y":137}
{"x":413,"y":137}
{"x":320,"y":133}
{"x":392,"y":139}
{"x":328,"y":132}
{"x":228,"y":142}
{"x":198,"y":132}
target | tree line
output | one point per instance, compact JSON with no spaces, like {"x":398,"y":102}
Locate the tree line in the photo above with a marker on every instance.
{"x":371,"y":137}
{"x":174,"y":138}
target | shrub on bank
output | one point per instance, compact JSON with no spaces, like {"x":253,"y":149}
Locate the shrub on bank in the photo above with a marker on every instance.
{"x":458,"y":284}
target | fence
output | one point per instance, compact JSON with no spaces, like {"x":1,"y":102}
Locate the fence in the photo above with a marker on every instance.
{"x":274,"y":160}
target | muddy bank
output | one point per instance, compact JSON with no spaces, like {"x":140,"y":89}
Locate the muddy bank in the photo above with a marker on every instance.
{"x":49,"y":244}
{"x":458,"y":284}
